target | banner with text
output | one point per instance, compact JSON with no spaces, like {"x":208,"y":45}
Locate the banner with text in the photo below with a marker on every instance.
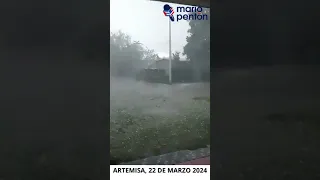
{"x":160,"y":172}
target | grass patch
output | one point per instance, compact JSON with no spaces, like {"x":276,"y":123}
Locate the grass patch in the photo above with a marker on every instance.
{"x":135,"y":136}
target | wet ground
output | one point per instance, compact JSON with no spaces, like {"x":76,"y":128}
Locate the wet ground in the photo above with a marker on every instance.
{"x":152,"y":98}
{"x":152,"y":119}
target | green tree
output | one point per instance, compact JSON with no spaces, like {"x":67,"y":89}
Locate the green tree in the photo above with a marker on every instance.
{"x":150,"y":55}
{"x":197,"y":48}
{"x":176,"y":56}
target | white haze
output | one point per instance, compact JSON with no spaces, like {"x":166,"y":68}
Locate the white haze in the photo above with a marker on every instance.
{"x":144,"y":21}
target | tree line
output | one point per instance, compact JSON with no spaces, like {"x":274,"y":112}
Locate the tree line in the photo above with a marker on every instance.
{"x":128,"y":56}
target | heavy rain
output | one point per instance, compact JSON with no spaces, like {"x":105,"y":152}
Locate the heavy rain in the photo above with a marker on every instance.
{"x":150,"y":116}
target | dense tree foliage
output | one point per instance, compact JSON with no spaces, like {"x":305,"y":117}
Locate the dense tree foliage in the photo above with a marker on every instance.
{"x":197,"y":48}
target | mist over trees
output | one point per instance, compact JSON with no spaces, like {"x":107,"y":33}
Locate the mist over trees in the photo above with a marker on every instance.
{"x":127,"y":57}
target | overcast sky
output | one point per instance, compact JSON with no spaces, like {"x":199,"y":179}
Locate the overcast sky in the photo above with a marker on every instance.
{"x":144,"y":21}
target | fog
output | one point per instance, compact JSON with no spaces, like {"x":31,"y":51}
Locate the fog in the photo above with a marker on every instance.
{"x":145,"y":22}
{"x":148,"y":117}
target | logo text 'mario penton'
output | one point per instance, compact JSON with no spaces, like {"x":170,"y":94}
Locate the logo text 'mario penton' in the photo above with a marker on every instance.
{"x":190,"y":13}
{"x":184,"y":13}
